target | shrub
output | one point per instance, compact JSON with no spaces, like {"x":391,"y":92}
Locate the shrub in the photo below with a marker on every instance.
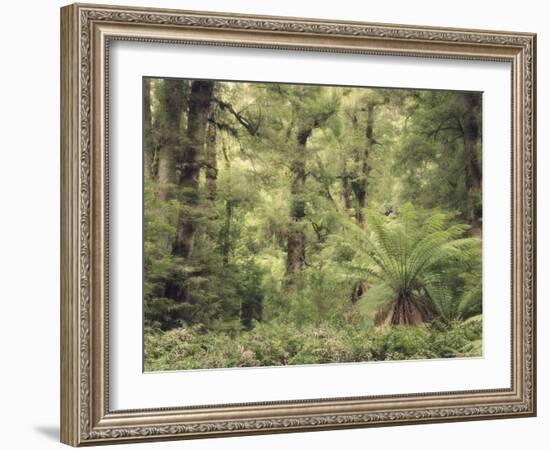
{"x":279,"y":343}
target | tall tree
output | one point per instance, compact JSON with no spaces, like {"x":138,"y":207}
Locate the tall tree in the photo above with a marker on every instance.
{"x":148,"y":135}
{"x":361,"y":117}
{"x":172,"y":104}
{"x":471,"y":135}
{"x":195,"y":139}
{"x":311,"y":108}
{"x":296,"y":242}
{"x":211,"y":159}
{"x":440,"y":157}
{"x":360,"y":182}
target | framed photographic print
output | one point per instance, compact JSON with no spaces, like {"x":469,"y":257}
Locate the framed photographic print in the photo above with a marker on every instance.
{"x":274,"y":224}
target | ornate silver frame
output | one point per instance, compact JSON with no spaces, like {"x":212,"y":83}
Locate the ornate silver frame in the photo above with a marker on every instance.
{"x":86,"y":31}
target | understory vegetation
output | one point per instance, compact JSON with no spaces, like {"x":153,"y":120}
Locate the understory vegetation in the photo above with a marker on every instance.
{"x":302,"y":224}
{"x":276,"y":343}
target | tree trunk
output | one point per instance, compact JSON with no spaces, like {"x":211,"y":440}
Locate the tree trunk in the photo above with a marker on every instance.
{"x":172,"y":105}
{"x":360,"y":186}
{"x":148,"y":141}
{"x":360,"y":183}
{"x":211,"y":172}
{"x":473,"y":178}
{"x":296,"y":240}
{"x":251,"y":309}
{"x":408,"y":311}
{"x":226,"y":230}
{"x":193,"y":147}
{"x":346,"y":191}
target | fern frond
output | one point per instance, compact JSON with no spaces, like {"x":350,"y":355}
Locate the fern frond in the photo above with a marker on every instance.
{"x":412,"y":254}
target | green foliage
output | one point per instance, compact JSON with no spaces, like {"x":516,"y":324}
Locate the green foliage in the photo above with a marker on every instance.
{"x":411,"y":256}
{"x":282,"y":343}
{"x":217,"y":289}
{"x":430,"y":160}
{"x":374,"y":182}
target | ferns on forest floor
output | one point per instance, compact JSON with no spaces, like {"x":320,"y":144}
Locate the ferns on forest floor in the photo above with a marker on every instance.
{"x":277,"y":344}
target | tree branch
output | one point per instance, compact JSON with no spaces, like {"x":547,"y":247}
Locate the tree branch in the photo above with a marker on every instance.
{"x":250,"y":126}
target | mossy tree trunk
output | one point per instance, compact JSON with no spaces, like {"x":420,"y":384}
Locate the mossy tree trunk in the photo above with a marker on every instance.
{"x":193,"y":147}
{"x":148,"y":140}
{"x":360,"y":183}
{"x":211,"y":160}
{"x":296,"y":239}
{"x":473,"y":176}
{"x":172,"y":106}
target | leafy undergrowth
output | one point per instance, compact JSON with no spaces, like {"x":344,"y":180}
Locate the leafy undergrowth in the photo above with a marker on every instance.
{"x":277,"y":344}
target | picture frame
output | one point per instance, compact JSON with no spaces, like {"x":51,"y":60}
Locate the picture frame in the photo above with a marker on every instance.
{"x":87,"y":32}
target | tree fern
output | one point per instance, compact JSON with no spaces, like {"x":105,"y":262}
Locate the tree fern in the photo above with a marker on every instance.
{"x":415,"y":258}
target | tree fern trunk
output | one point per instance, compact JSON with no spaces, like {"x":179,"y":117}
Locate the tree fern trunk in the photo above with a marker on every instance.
{"x":408,"y":311}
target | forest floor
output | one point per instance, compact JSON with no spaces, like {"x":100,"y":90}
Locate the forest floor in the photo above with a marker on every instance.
{"x":278,"y":344}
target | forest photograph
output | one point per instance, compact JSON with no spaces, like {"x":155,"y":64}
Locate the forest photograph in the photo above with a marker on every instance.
{"x":290,"y":224}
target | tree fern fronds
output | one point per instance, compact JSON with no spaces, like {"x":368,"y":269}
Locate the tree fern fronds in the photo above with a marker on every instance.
{"x":414,"y":257}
